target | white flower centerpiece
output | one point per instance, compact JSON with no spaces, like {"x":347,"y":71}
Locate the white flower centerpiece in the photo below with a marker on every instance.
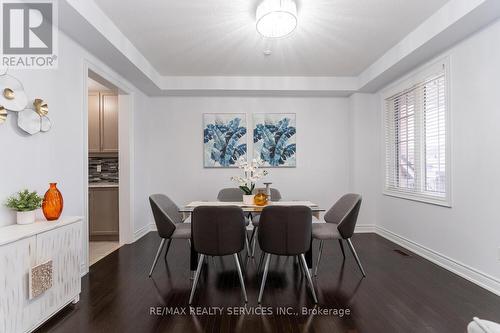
{"x":251,"y":175}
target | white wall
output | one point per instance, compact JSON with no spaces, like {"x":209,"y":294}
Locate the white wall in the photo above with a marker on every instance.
{"x":175,"y":147}
{"x":365,"y":155}
{"x":465,"y":237}
{"x":58,"y":155}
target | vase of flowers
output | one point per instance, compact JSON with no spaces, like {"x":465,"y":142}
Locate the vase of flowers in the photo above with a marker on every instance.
{"x":251,"y":174}
{"x":25,"y":203}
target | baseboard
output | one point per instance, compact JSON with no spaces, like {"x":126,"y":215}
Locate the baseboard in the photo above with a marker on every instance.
{"x":365,"y":228}
{"x":483,"y":280}
{"x":138,"y":234}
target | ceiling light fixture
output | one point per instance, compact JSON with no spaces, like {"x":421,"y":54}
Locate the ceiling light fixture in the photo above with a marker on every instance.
{"x":276,"y":18}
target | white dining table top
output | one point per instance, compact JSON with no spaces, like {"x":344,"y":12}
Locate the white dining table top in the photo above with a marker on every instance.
{"x":249,"y":208}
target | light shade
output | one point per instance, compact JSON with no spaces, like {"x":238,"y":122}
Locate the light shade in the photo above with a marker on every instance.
{"x":276,"y":18}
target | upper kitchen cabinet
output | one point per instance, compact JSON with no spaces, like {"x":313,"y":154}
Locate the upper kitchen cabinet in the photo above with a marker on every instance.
{"x":103,"y":122}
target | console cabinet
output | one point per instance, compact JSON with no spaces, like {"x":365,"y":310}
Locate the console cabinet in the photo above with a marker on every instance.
{"x":25,"y":246}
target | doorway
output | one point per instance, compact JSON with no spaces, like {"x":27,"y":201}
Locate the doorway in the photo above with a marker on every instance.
{"x":125,"y":110}
{"x":103,"y":168}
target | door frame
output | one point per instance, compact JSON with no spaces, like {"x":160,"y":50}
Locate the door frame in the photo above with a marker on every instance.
{"x":125,"y":157}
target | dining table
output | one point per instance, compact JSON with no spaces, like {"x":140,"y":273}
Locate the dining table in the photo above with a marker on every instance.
{"x":187,"y":210}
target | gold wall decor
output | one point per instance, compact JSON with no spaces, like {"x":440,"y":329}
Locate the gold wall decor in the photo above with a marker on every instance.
{"x":3,"y":114}
{"x":40,"y":279}
{"x":41,"y":107}
{"x":12,"y":97}
{"x":9,"y":93}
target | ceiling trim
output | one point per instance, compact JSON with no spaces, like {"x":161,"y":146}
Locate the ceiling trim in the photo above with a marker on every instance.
{"x":87,"y":24}
{"x":452,"y":23}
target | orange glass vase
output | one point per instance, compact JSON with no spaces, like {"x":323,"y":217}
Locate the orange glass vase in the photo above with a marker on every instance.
{"x":260,"y":199}
{"x":52,"y":205}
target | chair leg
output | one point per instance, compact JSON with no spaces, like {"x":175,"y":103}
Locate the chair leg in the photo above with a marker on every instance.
{"x":356,"y":256}
{"x":309,"y":277}
{"x":169,"y":241}
{"x":264,"y":277}
{"x":242,"y":282}
{"x":252,"y":235}
{"x":254,"y":241}
{"x":157,"y":256}
{"x":320,"y":252}
{"x":196,"y":277}
{"x":299,"y":262}
{"x":242,"y":263}
{"x":342,"y":248}
{"x":260,"y":262}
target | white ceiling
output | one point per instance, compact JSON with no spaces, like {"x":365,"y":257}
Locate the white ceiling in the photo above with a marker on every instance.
{"x":218,"y":37}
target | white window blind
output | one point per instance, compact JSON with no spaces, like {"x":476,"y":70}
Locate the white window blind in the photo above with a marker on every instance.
{"x":416,"y":141}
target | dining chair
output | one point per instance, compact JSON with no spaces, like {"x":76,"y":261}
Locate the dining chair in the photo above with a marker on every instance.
{"x":275,"y":196}
{"x":234,"y":194}
{"x":218,"y":231}
{"x":340,"y":223}
{"x":285,"y":231}
{"x":169,"y":223}
{"x":230,"y":194}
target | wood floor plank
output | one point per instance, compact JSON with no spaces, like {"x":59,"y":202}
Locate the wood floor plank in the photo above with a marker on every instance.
{"x":401,"y":293}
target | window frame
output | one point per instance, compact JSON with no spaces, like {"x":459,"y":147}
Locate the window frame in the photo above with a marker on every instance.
{"x":399,"y":86}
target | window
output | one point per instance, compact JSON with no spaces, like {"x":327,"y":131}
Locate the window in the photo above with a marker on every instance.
{"x":417,"y":142}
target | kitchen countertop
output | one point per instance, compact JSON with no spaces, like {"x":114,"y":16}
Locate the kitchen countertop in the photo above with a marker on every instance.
{"x":103,"y":185}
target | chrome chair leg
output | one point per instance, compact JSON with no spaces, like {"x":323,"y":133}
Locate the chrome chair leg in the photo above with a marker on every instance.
{"x":320,"y":252}
{"x":157,"y":255}
{"x":242,"y":263}
{"x":237,"y":261}
{"x":356,"y":256}
{"x":196,"y":277}
{"x":260,"y":262}
{"x":309,"y":277}
{"x":169,"y":241}
{"x":342,"y":248}
{"x":300,"y":265}
{"x":264,"y":277}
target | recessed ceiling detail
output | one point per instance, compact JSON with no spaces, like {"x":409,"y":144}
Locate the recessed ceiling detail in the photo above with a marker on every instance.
{"x":219,"y":38}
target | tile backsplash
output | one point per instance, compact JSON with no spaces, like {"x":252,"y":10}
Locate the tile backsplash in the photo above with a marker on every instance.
{"x":108,"y":172}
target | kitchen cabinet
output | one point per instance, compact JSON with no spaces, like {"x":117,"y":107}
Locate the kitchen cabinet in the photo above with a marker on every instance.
{"x":103,"y":122}
{"x":103,"y":213}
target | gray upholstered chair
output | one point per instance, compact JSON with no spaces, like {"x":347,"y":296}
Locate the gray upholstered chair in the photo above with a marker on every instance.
{"x":168,"y":223}
{"x":218,"y":231}
{"x":234,"y":194}
{"x":285,"y":231}
{"x":231,"y":194}
{"x":275,"y":196}
{"x":340,"y":223}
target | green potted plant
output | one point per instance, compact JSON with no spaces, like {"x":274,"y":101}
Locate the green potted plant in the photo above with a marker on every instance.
{"x":25,"y":203}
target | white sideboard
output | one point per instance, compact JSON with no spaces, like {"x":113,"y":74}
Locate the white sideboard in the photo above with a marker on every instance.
{"x":25,"y":246}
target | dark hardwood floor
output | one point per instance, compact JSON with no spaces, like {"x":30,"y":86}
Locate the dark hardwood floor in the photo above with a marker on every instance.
{"x":400,"y":294}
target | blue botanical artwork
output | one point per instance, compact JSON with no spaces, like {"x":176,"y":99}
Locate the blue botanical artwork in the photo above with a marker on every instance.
{"x":224,"y":139}
{"x":274,"y":139}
